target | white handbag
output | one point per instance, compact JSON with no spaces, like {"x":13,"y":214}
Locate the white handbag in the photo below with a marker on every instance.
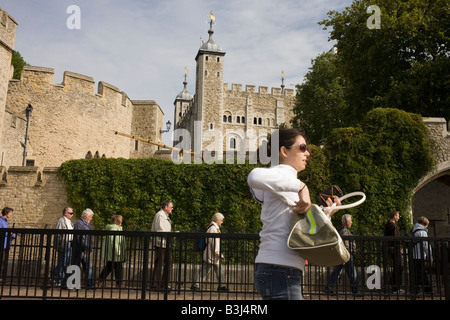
{"x":315,"y":238}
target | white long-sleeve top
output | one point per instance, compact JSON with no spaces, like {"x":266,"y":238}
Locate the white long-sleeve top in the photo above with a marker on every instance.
{"x":161,"y":223}
{"x":270,"y":186}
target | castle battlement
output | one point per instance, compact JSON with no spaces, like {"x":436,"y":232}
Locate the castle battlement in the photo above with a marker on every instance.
{"x":237,"y":88}
{"x":42,"y":79}
{"x":8,"y":27}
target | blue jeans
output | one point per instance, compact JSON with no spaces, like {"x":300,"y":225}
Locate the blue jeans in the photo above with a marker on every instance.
{"x":277,"y":282}
{"x":87,"y":267}
{"x":351,"y":272}
{"x":63,"y":262}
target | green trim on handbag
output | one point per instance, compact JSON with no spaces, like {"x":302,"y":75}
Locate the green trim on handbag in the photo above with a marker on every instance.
{"x":312,"y":230}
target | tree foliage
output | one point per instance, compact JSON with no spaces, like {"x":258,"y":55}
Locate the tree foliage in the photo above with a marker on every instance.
{"x":404,"y":64}
{"x":18,"y":63}
{"x":320,"y":104}
{"x":385,"y":157}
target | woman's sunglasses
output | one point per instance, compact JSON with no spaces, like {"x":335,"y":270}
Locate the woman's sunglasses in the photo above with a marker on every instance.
{"x":302,"y":147}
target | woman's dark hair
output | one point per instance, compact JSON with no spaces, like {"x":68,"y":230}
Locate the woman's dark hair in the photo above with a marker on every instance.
{"x":286,"y":137}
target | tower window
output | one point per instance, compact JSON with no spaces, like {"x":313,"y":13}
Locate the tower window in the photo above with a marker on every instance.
{"x":232,"y":143}
{"x":218,"y":59}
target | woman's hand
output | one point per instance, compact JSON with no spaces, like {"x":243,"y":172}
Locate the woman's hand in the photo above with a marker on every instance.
{"x":330,"y":203}
{"x":304,"y":202}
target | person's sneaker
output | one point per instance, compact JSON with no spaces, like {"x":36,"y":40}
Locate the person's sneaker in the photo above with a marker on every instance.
{"x":222,"y":289}
{"x":399,"y":291}
{"x":328,"y":290}
{"x":194,"y":288}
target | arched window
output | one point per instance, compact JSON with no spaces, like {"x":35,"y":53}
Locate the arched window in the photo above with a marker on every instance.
{"x":232,"y":143}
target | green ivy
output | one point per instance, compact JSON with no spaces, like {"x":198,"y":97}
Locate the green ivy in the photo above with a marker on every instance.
{"x":135,"y":189}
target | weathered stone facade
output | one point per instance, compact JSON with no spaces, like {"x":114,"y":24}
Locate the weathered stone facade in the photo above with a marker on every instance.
{"x":37,"y":196}
{"x":218,"y":118}
{"x":8,"y":29}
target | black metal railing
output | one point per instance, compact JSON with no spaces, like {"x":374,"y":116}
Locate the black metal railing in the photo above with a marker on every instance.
{"x":124,"y":265}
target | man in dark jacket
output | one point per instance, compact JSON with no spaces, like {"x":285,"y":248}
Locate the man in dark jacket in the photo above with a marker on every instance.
{"x":82,"y":246}
{"x":394,"y":250}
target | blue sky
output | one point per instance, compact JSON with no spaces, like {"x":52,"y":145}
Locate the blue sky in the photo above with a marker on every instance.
{"x":142,"y":47}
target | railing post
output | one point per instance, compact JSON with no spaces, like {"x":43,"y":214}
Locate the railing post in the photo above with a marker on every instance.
{"x":146,"y":240}
{"x":167,"y":267}
{"x":47,"y":262}
{"x":445,"y":274}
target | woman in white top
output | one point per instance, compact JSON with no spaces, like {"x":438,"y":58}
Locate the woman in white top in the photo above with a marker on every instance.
{"x":278,"y":269}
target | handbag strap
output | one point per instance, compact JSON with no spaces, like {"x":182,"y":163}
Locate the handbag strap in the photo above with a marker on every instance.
{"x":328,"y":210}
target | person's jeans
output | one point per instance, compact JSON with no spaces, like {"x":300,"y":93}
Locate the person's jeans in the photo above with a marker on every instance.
{"x":63,"y":262}
{"x":87,"y":267}
{"x":275,"y":282}
{"x":351,"y":272}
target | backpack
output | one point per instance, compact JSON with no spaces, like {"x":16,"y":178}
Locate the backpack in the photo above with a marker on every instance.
{"x":202,"y":241}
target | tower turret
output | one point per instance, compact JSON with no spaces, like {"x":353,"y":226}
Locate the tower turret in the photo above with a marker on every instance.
{"x":209,"y":93}
{"x":182,"y":101}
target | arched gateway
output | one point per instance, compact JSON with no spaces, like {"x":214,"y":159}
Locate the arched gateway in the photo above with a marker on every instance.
{"x":432,"y":195}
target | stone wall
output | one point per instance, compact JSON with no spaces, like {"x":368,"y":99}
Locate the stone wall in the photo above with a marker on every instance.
{"x":37,"y":196}
{"x":71,"y":120}
{"x":7,"y":38}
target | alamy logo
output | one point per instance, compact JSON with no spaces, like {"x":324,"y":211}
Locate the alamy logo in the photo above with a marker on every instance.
{"x":374,"y":21}
{"x":74,"y":20}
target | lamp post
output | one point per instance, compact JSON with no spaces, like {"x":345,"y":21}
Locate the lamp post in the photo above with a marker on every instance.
{"x":28,"y":110}
{"x":168,"y":125}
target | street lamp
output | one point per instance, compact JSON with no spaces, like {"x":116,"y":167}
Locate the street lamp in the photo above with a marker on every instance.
{"x":168,"y":125}
{"x":28,"y":111}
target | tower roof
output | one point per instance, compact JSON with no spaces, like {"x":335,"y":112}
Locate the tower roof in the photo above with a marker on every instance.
{"x":210,"y":45}
{"x":184,"y":95}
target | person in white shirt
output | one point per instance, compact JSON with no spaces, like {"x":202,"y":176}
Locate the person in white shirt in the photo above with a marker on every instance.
{"x":278,"y":269}
{"x":63,"y":246}
{"x":161,"y":223}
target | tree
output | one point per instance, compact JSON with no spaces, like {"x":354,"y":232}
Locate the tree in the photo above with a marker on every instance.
{"x":18,"y":63}
{"x":320,"y":102}
{"x":385,"y":157}
{"x":404,"y":64}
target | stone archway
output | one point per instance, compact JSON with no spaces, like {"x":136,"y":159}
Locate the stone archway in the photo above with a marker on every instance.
{"x":432,"y":195}
{"x":432,"y":200}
